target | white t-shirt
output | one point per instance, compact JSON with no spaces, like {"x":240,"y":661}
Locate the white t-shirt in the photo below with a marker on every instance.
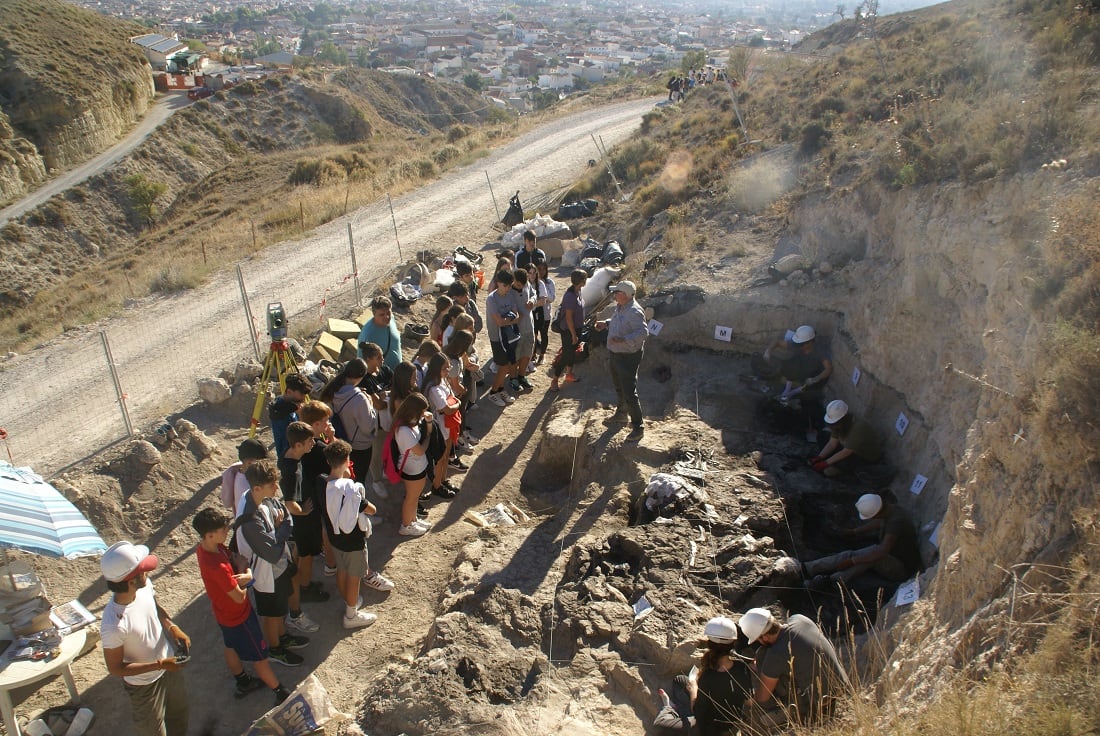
{"x":408,"y":437}
{"x":437,"y":398}
{"x":136,"y":628}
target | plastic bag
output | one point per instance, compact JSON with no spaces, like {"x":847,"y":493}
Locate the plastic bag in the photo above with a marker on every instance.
{"x":305,"y":712}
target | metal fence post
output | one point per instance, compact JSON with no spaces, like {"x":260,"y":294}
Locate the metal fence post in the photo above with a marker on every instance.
{"x":393,"y":217}
{"x":248,"y":315}
{"x":355,"y":268}
{"x":113,"y":369}
{"x":493,"y":195}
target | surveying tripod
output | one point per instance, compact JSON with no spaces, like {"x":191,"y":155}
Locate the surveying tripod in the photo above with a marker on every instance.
{"x":278,"y":363}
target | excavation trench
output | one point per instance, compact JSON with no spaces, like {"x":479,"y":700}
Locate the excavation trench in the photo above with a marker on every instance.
{"x":549,"y":618}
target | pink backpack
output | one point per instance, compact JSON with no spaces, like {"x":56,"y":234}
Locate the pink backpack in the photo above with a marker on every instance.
{"x":391,"y":465}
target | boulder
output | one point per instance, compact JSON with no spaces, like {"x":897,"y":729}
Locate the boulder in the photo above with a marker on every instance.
{"x":562,"y":429}
{"x":214,"y":390}
{"x":247,"y":372}
{"x":144,"y":453}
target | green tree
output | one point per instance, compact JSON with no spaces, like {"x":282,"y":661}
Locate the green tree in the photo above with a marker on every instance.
{"x":693,"y":60}
{"x":738,"y":67}
{"x":267,"y":46}
{"x":143,"y":197}
{"x":333,"y":54}
{"x":308,"y":45}
{"x":195,"y":45}
{"x":362,"y":57}
{"x":473,"y":81}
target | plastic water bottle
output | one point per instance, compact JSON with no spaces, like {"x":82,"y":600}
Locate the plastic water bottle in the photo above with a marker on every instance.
{"x":80,"y":723}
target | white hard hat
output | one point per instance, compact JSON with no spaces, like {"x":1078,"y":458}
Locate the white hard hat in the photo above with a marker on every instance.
{"x":805,"y":333}
{"x":868,"y":505}
{"x":721,"y":630}
{"x":755,"y":622}
{"x":124,"y":560}
{"x":835,"y":411}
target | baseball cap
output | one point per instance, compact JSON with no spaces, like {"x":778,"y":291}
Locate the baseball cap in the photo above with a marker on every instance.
{"x":626,"y":287}
{"x":125,"y":560}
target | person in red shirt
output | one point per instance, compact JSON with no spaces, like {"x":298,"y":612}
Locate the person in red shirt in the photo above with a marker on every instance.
{"x":227,"y":590}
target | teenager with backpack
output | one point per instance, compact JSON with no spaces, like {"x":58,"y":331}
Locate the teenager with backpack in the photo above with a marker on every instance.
{"x":412,"y":428}
{"x":354,"y":414}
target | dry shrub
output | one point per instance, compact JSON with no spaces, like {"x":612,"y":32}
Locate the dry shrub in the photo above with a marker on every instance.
{"x":316,"y":172}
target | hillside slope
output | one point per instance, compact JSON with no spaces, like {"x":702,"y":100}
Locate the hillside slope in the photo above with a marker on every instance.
{"x":258,"y":157}
{"x":70,"y":84}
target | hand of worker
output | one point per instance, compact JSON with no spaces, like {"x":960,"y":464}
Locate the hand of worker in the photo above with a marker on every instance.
{"x":820,"y":465}
{"x":815,"y":459}
{"x":180,"y":636}
{"x":169,"y":664}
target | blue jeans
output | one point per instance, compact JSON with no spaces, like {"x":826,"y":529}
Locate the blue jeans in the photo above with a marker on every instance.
{"x":624,"y":374}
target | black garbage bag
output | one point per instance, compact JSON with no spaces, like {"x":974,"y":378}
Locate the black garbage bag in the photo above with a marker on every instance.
{"x":514,"y":215}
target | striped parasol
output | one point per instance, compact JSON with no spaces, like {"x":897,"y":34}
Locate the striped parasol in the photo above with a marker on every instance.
{"x":35,"y":517}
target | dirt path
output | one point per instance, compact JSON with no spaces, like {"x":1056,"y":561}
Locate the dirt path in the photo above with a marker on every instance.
{"x":160,"y":111}
{"x":164,"y":346}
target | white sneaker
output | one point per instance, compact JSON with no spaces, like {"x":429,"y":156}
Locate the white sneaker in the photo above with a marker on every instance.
{"x":412,"y":530}
{"x":499,"y":398}
{"x":302,"y":623}
{"x":329,"y":571}
{"x":360,"y":620}
{"x":377,"y":581}
{"x":531,"y":367}
{"x":380,"y":490}
{"x":469,"y":438}
{"x":508,"y":398}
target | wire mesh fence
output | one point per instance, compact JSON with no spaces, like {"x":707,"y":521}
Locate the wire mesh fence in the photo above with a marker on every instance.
{"x":68,"y":400}
{"x":97,"y":388}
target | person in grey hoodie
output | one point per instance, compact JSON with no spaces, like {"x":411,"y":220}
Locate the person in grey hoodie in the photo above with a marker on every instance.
{"x":355,"y":415}
{"x":262,"y":531}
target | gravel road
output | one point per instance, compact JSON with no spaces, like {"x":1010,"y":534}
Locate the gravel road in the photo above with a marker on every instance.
{"x":58,"y":403}
{"x":158,"y":112}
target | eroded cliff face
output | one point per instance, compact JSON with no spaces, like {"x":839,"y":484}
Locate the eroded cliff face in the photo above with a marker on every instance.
{"x":21,"y":167}
{"x":56,"y":131}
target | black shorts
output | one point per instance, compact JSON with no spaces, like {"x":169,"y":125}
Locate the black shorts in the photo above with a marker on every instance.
{"x":503,"y":354}
{"x":276,"y":604}
{"x":307,"y":534}
{"x":417,"y":476}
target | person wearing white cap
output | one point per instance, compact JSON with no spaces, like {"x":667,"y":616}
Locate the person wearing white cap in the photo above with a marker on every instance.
{"x":715,"y":691}
{"x":626,"y":334}
{"x":141,"y":644}
{"x":852,"y":442}
{"x":806,"y":373}
{"x":799,"y":676}
{"x":895,"y":555}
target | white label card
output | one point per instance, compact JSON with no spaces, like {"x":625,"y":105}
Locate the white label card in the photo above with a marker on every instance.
{"x":655,"y":327}
{"x":856,"y":375}
{"x":901,"y":424}
{"x":908,"y":592}
{"x":918,"y":484}
{"x":725,"y":334}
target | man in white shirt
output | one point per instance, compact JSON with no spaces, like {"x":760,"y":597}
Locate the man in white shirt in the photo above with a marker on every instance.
{"x":141,"y":644}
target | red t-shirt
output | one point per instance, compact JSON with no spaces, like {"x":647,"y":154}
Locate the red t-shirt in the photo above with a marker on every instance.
{"x":217,"y":576}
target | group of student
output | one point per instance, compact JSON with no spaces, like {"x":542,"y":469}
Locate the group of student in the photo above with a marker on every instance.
{"x":380,"y":421}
